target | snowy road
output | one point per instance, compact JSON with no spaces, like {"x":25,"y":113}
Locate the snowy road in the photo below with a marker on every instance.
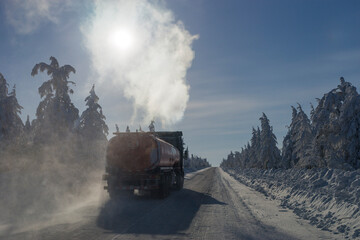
{"x":211,"y":206}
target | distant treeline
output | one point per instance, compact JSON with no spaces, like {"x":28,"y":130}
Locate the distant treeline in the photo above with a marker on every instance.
{"x":330,"y":138}
{"x":194,"y":162}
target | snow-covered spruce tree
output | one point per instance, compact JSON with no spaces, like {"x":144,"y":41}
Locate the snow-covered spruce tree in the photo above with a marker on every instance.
{"x":186,"y":157}
{"x":349,"y":121}
{"x":28,"y":131}
{"x":303,"y":136}
{"x":152,"y":126}
{"x":16,"y":126}
{"x":327,"y":129}
{"x":336,"y":121}
{"x":297,"y":142}
{"x":92,"y":121}
{"x":237,"y":159}
{"x":11,"y":125}
{"x":27,"y":127}
{"x":269,"y":153}
{"x":229,"y":162}
{"x":287,"y":156}
{"x":247,"y":161}
{"x":56,"y":114}
{"x":3,"y":96}
{"x":254,"y":153}
{"x":93,"y":131}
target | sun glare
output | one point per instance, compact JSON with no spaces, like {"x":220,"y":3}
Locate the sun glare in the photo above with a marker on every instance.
{"x":121,"y":40}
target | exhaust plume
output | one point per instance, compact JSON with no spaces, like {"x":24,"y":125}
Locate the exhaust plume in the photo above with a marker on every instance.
{"x":138,"y":48}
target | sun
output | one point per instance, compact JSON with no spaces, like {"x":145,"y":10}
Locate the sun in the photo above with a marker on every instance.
{"x":121,"y":39}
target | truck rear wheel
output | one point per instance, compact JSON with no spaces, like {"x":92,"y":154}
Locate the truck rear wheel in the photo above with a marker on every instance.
{"x":179,"y":181}
{"x":165,"y":186}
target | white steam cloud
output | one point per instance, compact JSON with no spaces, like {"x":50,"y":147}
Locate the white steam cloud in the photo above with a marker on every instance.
{"x":138,"y":49}
{"x":27,"y":15}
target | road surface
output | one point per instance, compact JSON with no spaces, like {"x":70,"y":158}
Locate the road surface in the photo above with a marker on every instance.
{"x":212,"y":205}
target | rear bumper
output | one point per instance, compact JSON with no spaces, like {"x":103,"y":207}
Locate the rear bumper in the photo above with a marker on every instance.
{"x":132,"y":182}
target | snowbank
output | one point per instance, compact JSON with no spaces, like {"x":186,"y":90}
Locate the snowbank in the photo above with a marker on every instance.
{"x":328,"y":198}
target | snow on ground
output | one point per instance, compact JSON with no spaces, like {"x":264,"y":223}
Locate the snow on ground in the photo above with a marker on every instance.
{"x":190,"y":172}
{"x":328,"y":198}
{"x":270,"y":213}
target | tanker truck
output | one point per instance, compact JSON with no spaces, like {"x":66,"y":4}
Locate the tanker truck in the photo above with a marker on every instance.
{"x":144,"y":162}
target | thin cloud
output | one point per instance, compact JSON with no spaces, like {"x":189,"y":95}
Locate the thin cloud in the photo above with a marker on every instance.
{"x":25,"y":16}
{"x":228,"y":106}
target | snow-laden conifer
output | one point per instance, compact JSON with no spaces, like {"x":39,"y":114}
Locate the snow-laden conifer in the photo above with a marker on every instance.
{"x":349,"y":121}
{"x":287,"y":156}
{"x":229,"y":162}
{"x":11,"y":125}
{"x":92,"y":121}
{"x":253,"y":151}
{"x":269,"y":153}
{"x":27,"y":127}
{"x":152,"y":126}
{"x":336,"y":122}
{"x":56,"y":114}
{"x":297,"y":142}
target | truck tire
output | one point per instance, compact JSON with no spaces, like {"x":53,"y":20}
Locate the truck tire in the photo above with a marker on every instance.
{"x":165,"y":186}
{"x":179,"y":181}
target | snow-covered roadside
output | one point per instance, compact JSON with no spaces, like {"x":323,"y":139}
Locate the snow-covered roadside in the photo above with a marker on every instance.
{"x":270,"y":214}
{"x":328,"y":198}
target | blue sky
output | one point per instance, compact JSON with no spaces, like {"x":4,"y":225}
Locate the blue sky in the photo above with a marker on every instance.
{"x":250,"y":57}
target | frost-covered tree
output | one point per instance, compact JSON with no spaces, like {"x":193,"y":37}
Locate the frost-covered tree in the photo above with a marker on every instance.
{"x":14,"y":109}
{"x":269,"y":153}
{"x":331,"y":139}
{"x":194,"y":161}
{"x":27,"y":127}
{"x":11,"y":125}
{"x":186,"y":153}
{"x":297,"y":142}
{"x":287,"y":156}
{"x":261,"y":152}
{"x":349,"y":121}
{"x":56,"y":114}
{"x":253,"y":150}
{"x":3,"y":96}
{"x":229,"y":162}
{"x":152,"y":126}
{"x":302,"y":138}
{"x":336,"y":123}
{"x":3,"y":87}
{"x":312,"y":111}
{"x":92,"y":121}
{"x":237,"y":159}
{"x":327,"y":128}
